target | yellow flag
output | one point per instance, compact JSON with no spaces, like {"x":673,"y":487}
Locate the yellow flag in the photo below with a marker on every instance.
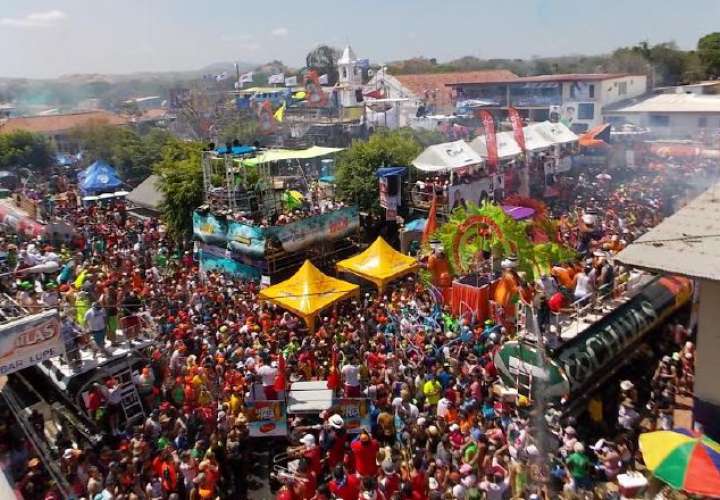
{"x":280,"y":113}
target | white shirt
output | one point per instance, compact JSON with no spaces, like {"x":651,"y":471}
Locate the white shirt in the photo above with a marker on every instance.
{"x":95,"y":319}
{"x":267,"y":374}
{"x":494,"y":491}
{"x":351,"y":375}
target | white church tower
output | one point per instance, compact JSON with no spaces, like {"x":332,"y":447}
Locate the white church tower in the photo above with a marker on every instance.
{"x":350,"y":77}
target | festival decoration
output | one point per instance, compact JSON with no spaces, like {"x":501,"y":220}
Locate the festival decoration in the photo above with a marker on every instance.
{"x":517,"y":126}
{"x":315,"y":94}
{"x":490,"y":138}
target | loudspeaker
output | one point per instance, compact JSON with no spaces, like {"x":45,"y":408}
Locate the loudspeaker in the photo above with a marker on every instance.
{"x":359,"y":95}
{"x":393,"y":183}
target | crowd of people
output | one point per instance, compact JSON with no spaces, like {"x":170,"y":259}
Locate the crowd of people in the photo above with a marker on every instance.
{"x":439,"y":429}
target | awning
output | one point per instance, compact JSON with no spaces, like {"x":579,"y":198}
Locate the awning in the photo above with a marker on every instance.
{"x":557,"y":133}
{"x":289,"y":154}
{"x":236,"y":150}
{"x":147,"y":195}
{"x":308,"y":292}
{"x":506,"y":145}
{"x":379,"y":263}
{"x":390,"y":171}
{"x":447,"y":156}
{"x":534,"y":139}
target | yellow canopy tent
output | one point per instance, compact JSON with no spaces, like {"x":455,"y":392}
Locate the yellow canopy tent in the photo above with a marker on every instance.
{"x":379,"y":263}
{"x":308,"y":292}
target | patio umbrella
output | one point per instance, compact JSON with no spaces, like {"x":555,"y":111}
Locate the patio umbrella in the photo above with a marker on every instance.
{"x":683,"y":459}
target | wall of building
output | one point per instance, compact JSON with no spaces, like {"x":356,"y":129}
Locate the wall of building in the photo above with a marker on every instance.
{"x":675,"y":125}
{"x":619,"y":89}
{"x":707,"y":369}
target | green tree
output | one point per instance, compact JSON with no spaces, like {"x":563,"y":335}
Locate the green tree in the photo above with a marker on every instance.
{"x":356,"y":167}
{"x":323,"y":59}
{"x":24,"y":149}
{"x":709,"y":52}
{"x":130,"y":153}
{"x":181,"y":181}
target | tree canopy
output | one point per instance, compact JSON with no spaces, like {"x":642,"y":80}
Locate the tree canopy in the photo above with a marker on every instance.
{"x":709,"y":53}
{"x":356,"y":167}
{"x":133,"y":155}
{"x":181,"y":181}
{"x":24,"y":149}
{"x":323,"y":59}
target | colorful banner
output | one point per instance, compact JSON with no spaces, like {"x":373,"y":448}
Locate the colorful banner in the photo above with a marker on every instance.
{"x":276,"y":79}
{"x":209,"y":228}
{"x":324,"y":227}
{"x":517,"y":126}
{"x":213,"y":258}
{"x":490,"y":139}
{"x":266,"y":118}
{"x":355,"y":412}
{"x":315,"y":94}
{"x":20,"y":222}
{"x":266,"y":418}
{"x":386,"y":199}
{"x":246,"y":239}
{"x":29,"y":341}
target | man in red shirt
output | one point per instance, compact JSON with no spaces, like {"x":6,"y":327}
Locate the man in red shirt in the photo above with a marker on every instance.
{"x":312,"y":454}
{"x":365,"y":450}
{"x":344,"y":486}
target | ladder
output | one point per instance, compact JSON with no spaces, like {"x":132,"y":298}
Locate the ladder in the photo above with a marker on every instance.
{"x":524,"y":382}
{"x":130,"y":399}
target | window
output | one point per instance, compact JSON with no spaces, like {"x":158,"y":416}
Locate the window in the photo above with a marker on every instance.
{"x":702,"y":122}
{"x":586,"y":111}
{"x":591,"y":91}
{"x":622,"y":88}
{"x":659,"y":121}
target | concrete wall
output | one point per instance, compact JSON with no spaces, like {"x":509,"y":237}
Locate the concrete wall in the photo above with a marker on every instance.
{"x":635,"y":85}
{"x":707,"y":360}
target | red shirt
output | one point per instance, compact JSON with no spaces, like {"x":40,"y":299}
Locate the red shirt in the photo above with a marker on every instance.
{"x":349,"y":489}
{"x":391,"y":485}
{"x":365,"y":457}
{"x":419,"y":485}
{"x":337,"y":450}
{"x":556,"y":302}
{"x":313,"y":456}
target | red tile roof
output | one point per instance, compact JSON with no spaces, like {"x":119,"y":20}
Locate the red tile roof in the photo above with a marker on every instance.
{"x":429,"y":82}
{"x":572,"y":77}
{"x":53,"y":124}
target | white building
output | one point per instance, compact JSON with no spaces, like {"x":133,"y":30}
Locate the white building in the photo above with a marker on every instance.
{"x":686,"y":115}
{"x":349,"y":78}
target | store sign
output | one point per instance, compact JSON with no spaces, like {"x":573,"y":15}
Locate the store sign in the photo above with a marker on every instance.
{"x":355,"y":413}
{"x":29,"y":341}
{"x":266,"y":418}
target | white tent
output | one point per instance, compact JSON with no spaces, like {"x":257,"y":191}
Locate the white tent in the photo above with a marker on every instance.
{"x":557,"y":133}
{"x":447,"y":156}
{"x":506,"y":145}
{"x":535,"y":140}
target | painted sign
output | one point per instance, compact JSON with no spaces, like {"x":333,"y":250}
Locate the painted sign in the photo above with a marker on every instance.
{"x":386,"y":199}
{"x":209,"y":228}
{"x":355,"y":412}
{"x":596,"y":351}
{"x":324,"y":227}
{"x":20,"y":222}
{"x":29,"y":341}
{"x":478,"y":191}
{"x":266,"y":418}
{"x":215,"y":259}
{"x":246,"y":239}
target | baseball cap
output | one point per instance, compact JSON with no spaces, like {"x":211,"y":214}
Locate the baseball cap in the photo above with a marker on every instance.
{"x":308,"y":439}
{"x":336,"y":421}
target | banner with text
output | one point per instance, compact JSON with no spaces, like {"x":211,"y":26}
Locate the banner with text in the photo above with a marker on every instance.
{"x":354,"y":411}
{"x":215,"y":259}
{"x":266,"y":418}
{"x":209,"y":228}
{"x":490,"y":138}
{"x":29,"y":341}
{"x":324,"y":227}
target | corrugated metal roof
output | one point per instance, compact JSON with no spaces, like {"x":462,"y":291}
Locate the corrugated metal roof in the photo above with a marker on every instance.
{"x":676,"y":103}
{"x":566,"y":77}
{"x":686,"y":243}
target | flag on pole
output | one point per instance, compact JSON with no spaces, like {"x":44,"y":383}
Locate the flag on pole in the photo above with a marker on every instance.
{"x":246,"y":78}
{"x":517,"y":126}
{"x":490,"y":139}
{"x":324,"y":79}
{"x":333,"y":381}
{"x":280,"y":113}
{"x":431,"y":224}
{"x":291,"y":81}
{"x":279,"y":383}
{"x":276,"y":79}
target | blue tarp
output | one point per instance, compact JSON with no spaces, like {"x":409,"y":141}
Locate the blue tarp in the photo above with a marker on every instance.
{"x":235,"y":150}
{"x":389,"y":171}
{"x":99,"y":177}
{"x":416,"y":225}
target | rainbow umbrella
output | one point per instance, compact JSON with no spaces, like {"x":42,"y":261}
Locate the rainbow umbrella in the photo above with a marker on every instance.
{"x":683,"y":459}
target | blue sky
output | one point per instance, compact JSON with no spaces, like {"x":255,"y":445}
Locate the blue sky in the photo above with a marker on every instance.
{"x":45,"y":38}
